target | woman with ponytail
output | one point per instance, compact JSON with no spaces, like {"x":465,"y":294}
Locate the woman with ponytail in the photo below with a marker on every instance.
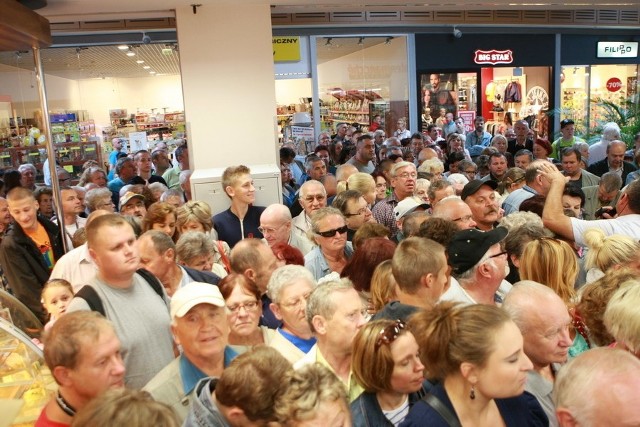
{"x":475,"y":353}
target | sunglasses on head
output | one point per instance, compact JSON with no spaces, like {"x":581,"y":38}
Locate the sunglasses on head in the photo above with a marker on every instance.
{"x":390,"y":333}
{"x":331,"y":233}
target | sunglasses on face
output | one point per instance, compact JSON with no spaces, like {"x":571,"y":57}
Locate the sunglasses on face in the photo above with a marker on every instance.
{"x":331,"y":233}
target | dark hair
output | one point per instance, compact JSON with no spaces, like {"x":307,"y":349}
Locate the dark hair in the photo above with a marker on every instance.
{"x":417,"y":136}
{"x":533,"y":204}
{"x":179,"y":151}
{"x":365,"y":259}
{"x":229,"y":283}
{"x":321,"y":147}
{"x":287,"y":153}
{"x":574,"y":191}
{"x":567,"y":151}
{"x":438,"y":229}
{"x":11,"y":180}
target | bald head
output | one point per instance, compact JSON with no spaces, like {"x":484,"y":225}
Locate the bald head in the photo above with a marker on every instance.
{"x":453,"y":208}
{"x":345,"y":171}
{"x":426,"y":154}
{"x":275,"y":222}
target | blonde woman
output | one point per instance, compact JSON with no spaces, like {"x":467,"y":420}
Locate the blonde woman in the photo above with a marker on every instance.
{"x":609,"y":252}
{"x":365,"y":184}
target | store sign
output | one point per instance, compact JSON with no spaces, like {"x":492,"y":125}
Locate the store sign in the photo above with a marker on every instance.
{"x":493,"y":57}
{"x":614,"y":84}
{"x":617,"y":49}
{"x":468,"y":117}
{"x":286,"y":49}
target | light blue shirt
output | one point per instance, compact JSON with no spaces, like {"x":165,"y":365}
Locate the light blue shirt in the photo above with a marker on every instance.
{"x":318,"y":265}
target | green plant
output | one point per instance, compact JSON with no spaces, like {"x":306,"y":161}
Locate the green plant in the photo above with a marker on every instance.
{"x":625,"y":114}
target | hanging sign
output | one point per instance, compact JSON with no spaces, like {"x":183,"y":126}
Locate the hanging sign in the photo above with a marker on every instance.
{"x":614,"y":84}
{"x":617,"y":49}
{"x":493,"y":57}
{"x":286,"y":49}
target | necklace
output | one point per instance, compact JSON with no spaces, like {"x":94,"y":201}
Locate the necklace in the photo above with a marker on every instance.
{"x":64,"y":405}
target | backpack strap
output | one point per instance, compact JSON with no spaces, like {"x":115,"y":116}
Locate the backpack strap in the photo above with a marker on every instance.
{"x":92,"y":298}
{"x":440,"y":408}
{"x":152,"y":281}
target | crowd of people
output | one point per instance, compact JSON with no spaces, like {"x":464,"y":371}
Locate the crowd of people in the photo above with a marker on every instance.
{"x":419,"y":279}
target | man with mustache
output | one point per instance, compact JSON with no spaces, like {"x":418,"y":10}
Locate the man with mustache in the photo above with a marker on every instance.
{"x":481,"y":199}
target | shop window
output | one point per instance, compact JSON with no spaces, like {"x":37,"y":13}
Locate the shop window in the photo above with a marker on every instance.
{"x":360,"y":78}
{"x":593,"y":95}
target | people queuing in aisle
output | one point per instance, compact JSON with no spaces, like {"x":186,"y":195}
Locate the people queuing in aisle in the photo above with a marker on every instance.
{"x":429,"y":324}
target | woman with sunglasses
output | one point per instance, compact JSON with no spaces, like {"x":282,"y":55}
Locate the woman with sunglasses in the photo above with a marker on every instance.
{"x":329,"y":231}
{"x":385,"y":362}
{"x":475,"y":353}
{"x":244,"y":310}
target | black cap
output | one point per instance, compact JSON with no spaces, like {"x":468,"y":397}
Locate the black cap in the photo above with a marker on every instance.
{"x":467,"y":247}
{"x":473,"y":186}
{"x":566,"y":122}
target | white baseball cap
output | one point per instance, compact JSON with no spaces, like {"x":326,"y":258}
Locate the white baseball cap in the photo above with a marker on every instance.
{"x":194,"y":293}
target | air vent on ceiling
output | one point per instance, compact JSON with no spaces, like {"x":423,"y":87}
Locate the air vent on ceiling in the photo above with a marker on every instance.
{"x":383,"y":16}
{"x":310,"y":17}
{"x":417,"y":15}
{"x":606,"y":16}
{"x":443,"y":15}
{"x":347,"y":16}
{"x":561,"y":17}
{"x":148,"y":23}
{"x":585,"y":16}
{"x":507,"y":15}
{"x":98,"y":25}
{"x":629,"y":17}
{"x":478,"y":15}
{"x":280,"y":18}
{"x":535,"y":16}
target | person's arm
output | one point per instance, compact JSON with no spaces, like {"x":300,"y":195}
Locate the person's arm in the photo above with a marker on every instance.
{"x":553,"y":215}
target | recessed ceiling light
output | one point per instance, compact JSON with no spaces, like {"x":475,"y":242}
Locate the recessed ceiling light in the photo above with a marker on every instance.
{"x":152,"y":72}
{"x":146,"y":67}
{"x":139,"y":61}
{"x":131,"y":53}
{"x":123,"y":47}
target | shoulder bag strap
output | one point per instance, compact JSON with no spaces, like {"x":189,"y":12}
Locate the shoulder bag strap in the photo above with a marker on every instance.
{"x":441,"y":409}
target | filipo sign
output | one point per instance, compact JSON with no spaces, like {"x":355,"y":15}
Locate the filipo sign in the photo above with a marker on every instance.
{"x":617,"y":49}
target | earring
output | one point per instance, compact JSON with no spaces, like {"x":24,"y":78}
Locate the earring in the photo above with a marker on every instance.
{"x":472,"y":393}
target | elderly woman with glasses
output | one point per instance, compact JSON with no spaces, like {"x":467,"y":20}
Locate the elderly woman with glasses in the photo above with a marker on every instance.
{"x":289,"y":288}
{"x":329,"y":231}
{"x":385,"y":362}
{"x":242,"y":298}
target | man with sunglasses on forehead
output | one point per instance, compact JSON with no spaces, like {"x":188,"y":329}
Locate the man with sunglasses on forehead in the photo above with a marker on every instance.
{"x":403,"y":182}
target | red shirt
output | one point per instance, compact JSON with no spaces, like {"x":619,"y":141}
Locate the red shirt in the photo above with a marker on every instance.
{"x":44,"y":421}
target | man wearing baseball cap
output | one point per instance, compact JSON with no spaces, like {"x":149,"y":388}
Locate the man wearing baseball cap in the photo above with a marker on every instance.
{"x":403,"y":210}
{"x":478,"y":265}
{"x":199,"y":325}
{"x":133,"y":204}
{"x":568,"y":138}
{"x":482,"y":200}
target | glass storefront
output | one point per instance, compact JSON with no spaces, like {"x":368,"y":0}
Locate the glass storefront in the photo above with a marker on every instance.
{"x":361,"y":77}
{"x":588,"y":93}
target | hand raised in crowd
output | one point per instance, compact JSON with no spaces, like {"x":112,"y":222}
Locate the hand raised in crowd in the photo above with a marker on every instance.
{"x":551,"y":172}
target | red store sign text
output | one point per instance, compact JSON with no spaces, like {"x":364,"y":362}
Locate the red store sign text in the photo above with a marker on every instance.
{"x":493,"y":57}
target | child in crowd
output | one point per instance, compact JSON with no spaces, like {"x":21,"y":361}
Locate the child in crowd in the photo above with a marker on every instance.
{"x":56,"y":296}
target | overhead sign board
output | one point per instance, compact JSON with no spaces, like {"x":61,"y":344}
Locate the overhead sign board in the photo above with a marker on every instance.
{"x":286,"y":49}
{"x":493,"y":57}
{"x":617,"y":49}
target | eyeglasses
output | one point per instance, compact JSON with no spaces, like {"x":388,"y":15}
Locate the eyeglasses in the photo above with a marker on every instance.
{"x":331,"y":233}
{"x":297,"y":303}
{"x":390,"y":333}
{"x":498,"y":254}
{"x":270,"y":230}
{"x":407,"y":175}
{"x":318,"y":197}
{"x":465,"y":218}
{"x":360,"y":212}
{"x":248,"y":306}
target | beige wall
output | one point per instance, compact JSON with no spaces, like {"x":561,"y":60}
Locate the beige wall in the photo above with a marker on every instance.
{"x":227,"y":81}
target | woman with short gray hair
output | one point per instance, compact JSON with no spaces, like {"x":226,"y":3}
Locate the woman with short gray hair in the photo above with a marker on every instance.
{"x":289,"y":288}
{"x":329,"y":231}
